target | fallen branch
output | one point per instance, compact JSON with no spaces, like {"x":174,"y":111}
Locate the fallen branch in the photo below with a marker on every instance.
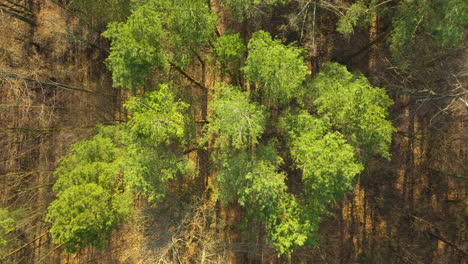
{"x":24,"y":246}
{"x":25,"y":16}
{"x":50,"y":252}
{"x":51,"y":84}
{"x":438,"y":237}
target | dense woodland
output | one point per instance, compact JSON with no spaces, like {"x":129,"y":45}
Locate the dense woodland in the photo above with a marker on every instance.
{"x":233,"y":131}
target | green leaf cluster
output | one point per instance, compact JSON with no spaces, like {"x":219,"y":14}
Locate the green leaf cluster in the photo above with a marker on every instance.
{"x":327,"y":162}
{"x":427,"y":25}
{"x":96,"y":181}
{"x":7,"y":225}
{"x":92,"y":196}
{"x":155,"y":32}
{"x":245,"y":9}
{"x":157,"y":134}
{"x":236,"y":120}
{"x":276,"y":69}
{"x":136,"y":47}
{"x":256,"y":183}
{"x":419,"y":27}
{"x":290,"y":227}
{"x":229,"y":50}
{"x":354,"y":107}
{"x":158,"y":117}
{"x":327,"y":137}
{"x":353,"y":15}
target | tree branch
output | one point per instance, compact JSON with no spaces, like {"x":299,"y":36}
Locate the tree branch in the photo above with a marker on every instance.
{"x":50,"y":84}
{"x":24,"y":246}
{"x":24,"y":15}
{"x":190,"y":150}
{"x":369,"y":45}
{"x":438,"y":237}
{"x":192,"y":80}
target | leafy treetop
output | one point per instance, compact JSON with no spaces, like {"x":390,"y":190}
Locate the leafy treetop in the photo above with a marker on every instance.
{"x":92,"y":197}
{"x":354,"y":107}
{"x":236,"y":121}
{"x":418,"y":26}
{"x":229,"y":50}
{"x":155,"y":142}
{"x":244,"y":9}
{"x":97,"y":180}
{"x":156,"y":32}
{"x":276,"y":69}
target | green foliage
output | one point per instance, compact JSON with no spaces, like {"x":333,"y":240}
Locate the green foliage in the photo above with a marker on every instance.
{"x":278,"y":70}
{"x":96,"y":181}
{"x":353,"y":15}
{"x":92,"y":196}
{"x":326,"y":141}
{"x":157,"y":117}
{"x":236,"y":121}
{"x":425,"y":25}
{"x":287,"y":228}
{"x":98,"y":13}
{"x":244,"y":9}
{"x":157,"y":31}
{"x":157,"y":130}
{"x":136,"y":47}
{"x":190,"y":24}
{"x":85,"y":215}
{"x":229,"y":50}
{"x":420,"y":27}
{"x":256,"y":183}
{"x":328,"y":146}
{"x":7,"y":225}
{"x":328,"y":166}
{"x":91,"y":161}
{"x":253,"y":180}
{"x":327,"y":162}
{"x":149,"y":168}
{"x":355,"y":108}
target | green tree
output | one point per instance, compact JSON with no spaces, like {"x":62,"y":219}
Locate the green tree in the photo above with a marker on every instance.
{"x":7,"y":225}
{"x":158,"y":134}
{"x":245,"y":9}
{"x":277,"y":70}
{"x":85,"y":215}
{"x":354,"y":14}
{"x":229,"y":50}
{"x":97,"y":180}
{"x":236,"y":121}
{"x":328,"y":137}
{"x":92,"y":196}
{"x":427,"y":25}
{"x":157,"y":33}
{"x":358,"y":112}
{"x":419,"y":27}
{"x":327,"y":162}
{"x":255,"y":181}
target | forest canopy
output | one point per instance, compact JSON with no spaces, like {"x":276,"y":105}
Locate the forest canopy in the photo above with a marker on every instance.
{"x":248,"y":106}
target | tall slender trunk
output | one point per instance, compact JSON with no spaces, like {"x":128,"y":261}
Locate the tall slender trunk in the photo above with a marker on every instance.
{"x":373,"y":50}
{"x":203,"y":154}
